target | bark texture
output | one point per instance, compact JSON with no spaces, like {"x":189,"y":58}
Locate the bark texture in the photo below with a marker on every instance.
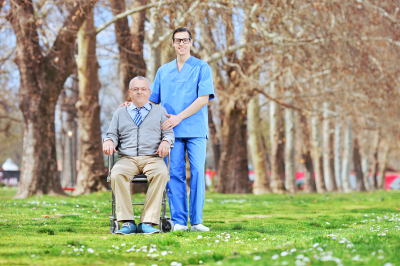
{"x":155,"y":31}
{"x":277,"y":185}
{"x":347,"y":154}
{"x":41,"y":79}
{"x":329,"y":175}
{"x":357,"y":166}
{"x":332,"y":161}
{"x":92,"y":175}
{"x":216,"y":145}
{"x":309,"y":184}
{"x":131,"y":62}
{"x":69,"y":109}
{"x":383,"y":164}
{"x":233,"y":175}
{"x":317,"y":154}
{"x":365,"y":154}
{"x":374,"y":160}
{"x":256,"y":148}
{"x":290,"y":167}
{"x":338,"y":154}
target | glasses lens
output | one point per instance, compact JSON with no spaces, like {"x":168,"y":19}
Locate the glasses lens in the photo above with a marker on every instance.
{"x":184,"y":40}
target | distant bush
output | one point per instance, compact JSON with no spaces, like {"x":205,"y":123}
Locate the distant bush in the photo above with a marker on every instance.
{"x":2,"y":184}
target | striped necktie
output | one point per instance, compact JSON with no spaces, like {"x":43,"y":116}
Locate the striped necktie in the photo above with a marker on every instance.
{"x":138,"y":118}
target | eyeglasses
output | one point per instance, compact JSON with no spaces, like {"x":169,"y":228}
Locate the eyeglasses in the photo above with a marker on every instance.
{"x":136,"y":89}
{"x":184,"y":40}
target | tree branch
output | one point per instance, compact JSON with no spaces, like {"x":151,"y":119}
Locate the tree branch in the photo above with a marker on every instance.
{"x":169,"y":31}
{"x":220,"y":54}
{"x":59,"y":55}
{"x":123,"y":15}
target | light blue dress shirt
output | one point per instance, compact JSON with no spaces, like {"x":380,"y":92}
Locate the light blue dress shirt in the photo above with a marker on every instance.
{"x":176,"y":91}
{"x":143,"y":112}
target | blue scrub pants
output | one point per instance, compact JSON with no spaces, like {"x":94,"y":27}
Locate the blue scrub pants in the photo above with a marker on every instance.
{"x":176,"y":187}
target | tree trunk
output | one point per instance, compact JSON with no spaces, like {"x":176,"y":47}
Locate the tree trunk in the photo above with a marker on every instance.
{"x":383,"y":165}
{"x":374,"y":162}
{"x":92,"y":175}
{"x":152,"y":35}
{"x":41,"y":80}
{"x":68,"y":108}
{"x":216,"y":145}
{"x":357,"y":166}
{"x":338,"y":154}
{"x":332,"y":161}
{"x":233,"y":176}
{"x":131,"y":62}
{"x":290,"y":167}
{"x":346,"y":163}
{"x":256,"y":148}
{"x":137,"y":31}
{"x":329,"y":176}
{"x":365,"y":154}
{"x":276,"y":184}
{"x":317,"y":155}
{"x":306,"y":157}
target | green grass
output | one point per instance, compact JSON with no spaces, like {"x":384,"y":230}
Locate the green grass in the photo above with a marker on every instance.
{"x":334,"y":229}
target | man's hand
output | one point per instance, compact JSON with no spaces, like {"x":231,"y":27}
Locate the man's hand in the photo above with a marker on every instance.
{"x":109,"y":147}
{"x":125,"y":104}
{"x":172,"y":122}
{"x":163,"y":149}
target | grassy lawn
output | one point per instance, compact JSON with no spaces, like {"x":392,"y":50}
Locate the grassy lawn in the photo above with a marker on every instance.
{"x":334,"y":229}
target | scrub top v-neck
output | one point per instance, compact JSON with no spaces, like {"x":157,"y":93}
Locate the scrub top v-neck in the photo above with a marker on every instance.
{"x":177,"y":90}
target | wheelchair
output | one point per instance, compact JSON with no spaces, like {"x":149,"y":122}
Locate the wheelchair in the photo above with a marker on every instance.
{"x":165,"y":225}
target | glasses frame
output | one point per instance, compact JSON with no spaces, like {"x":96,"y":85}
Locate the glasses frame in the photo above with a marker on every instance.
{"x":182,"y":40}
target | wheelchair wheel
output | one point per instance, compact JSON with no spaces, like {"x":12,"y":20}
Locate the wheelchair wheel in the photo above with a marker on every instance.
{"x":166,"y":225}
{"x":114,"y":226}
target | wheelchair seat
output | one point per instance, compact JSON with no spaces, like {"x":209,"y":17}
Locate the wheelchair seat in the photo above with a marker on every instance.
{"x":139,"y":179}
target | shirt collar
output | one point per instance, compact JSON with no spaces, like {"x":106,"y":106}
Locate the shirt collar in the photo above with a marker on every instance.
{"x":147,"y":106}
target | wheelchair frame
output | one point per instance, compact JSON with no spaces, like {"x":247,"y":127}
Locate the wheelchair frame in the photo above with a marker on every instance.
{"x":165,"y":225}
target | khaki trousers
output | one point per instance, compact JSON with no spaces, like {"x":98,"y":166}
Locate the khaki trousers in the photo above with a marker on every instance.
{"x":122,"y":174}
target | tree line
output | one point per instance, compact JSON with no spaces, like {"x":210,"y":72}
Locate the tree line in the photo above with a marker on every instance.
{"x":307,"y":85}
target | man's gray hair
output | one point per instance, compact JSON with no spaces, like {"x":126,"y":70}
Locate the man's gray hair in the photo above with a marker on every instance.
{"x":139,"y":78}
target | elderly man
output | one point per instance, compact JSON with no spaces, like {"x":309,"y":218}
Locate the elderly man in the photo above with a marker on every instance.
{"x":136,"y":132}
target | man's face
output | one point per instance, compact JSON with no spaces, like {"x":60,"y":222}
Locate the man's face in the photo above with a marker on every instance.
{"x":139,"y":92}
{"x":182,"y":48}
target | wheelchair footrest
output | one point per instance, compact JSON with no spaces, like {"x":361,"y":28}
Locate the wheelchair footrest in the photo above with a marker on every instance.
{"x":137,"y":203}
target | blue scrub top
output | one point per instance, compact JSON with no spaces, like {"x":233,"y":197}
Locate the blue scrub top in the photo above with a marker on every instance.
{"x":177,"y":90}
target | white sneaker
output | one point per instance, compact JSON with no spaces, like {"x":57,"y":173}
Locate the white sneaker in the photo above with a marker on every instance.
{"x":199,"y":227}
{"x":178,"y":227}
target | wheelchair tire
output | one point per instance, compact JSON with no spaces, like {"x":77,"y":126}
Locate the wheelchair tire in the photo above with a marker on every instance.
{"x":114,"y":227}
{"x":166,"y":225}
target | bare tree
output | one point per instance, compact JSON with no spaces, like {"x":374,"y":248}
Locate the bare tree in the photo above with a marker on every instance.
{"x":91,"y":176}
{"x":357,"y":166}
{"x":348,"y":147}
{"x":290,"y":166}
{"x":256,"y":148}
{"x":42,"y":78}
{"x":383,"y":162}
